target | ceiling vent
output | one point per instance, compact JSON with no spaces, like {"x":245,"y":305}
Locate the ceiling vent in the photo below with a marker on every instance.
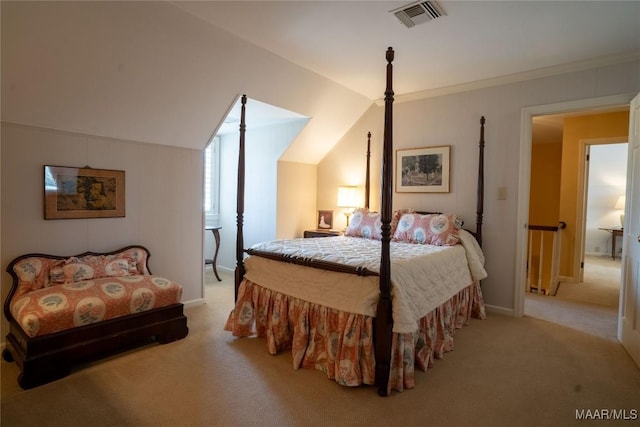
{"x":418,"y":13}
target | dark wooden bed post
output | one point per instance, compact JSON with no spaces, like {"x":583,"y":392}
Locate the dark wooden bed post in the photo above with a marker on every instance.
{"x":480,"y":195}
{"x":384,"y":318}
{"x":239,"y":273}
{"x":367,"y":184}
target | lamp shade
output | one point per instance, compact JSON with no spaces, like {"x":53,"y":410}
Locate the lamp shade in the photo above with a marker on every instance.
{"x":347,"y":197}
{"x":620,"y":203}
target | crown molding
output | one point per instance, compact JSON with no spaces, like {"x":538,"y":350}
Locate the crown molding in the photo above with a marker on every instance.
{"x":516,"y":77}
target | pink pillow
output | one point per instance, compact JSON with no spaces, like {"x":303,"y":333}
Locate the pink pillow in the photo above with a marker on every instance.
{"x":110,"y":265}
{"x":365,"y":223}
{"x":432,"y":229}
{"x":77,"y":272}
{"x":33,"y":274}
{"x":92,"y":267}
{"x":397,"y":214}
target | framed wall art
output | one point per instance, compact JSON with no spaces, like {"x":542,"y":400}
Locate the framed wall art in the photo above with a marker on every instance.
{"x":325,"y":220}
{"x":423,"y":170}
{"x":71,"y":192}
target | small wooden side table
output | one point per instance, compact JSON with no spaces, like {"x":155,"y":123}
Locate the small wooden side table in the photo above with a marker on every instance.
{"x":321,"y":233}
{"x":615,"y":232}
{"x":216,"y":235}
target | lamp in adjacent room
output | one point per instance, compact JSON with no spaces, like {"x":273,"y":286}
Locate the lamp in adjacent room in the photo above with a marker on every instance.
{"x":347,"y":198}
{"x":620,"y":206}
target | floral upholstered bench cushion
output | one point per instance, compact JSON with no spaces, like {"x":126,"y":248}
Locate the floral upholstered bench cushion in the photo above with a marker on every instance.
{"x":58,"y":294}
{"x":37,"y":272}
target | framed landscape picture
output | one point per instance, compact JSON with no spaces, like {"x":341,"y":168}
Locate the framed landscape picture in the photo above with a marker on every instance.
{"x":71,"y":192}
{"x":423,"y":170}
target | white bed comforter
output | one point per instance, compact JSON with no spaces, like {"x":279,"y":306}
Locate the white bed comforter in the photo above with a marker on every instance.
{"x":422,"y":276}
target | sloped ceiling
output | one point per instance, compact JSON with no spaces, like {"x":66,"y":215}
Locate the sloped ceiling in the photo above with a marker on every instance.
{"x":150,"y":72}
{"x":474,"y":41}
{"x":170,"y":72}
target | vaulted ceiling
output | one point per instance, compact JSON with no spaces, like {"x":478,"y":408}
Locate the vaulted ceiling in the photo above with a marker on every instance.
{"x":170,"y":72}
{"x":473,"y":41}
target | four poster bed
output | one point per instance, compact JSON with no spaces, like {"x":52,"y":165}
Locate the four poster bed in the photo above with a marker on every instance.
{"x":369,"y":306}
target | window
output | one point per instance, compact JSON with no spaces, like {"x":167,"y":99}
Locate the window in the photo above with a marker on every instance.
{"x":212,"y":179}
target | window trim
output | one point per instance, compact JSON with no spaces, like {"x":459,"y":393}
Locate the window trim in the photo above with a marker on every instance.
{"x":211,"y":196}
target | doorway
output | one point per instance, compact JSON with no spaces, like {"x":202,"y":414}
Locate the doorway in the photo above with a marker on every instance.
{"x":590,"y":302}
{"x":598,"y":317}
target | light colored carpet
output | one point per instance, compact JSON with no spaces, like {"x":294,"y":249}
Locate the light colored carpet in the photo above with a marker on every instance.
{"x":590,"y":306}
{"x":503,"y":372}
{"x":601,"y":283}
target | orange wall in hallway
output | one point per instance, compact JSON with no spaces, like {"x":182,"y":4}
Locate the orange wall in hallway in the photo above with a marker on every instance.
{"x":576,"y":129}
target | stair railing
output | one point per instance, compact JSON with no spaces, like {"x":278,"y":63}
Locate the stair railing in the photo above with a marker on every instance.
{"x":538,"y":284}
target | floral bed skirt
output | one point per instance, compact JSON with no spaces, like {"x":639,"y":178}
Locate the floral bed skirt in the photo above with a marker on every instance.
{"x":341,"y":344}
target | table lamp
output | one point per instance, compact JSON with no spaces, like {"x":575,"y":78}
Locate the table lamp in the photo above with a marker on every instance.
{"x":347,"y":199}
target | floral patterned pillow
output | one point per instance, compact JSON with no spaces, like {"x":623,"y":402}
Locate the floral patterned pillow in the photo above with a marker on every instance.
{"x":139,"y":258}
{"x":433,"y":229}
{"x":111,"y":265}
{"x":33,"y":274}
{"x":92,"y":267}
{"x":77,"y":272}
{"x":368,"y":224}
{"x":365,"y":223}
{"x":397,"y":214}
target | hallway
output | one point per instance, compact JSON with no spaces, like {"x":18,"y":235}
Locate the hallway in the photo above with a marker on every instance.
{"x":590,"y":306}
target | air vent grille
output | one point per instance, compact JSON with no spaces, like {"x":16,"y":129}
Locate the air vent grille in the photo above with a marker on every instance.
{"x":417,"y":13}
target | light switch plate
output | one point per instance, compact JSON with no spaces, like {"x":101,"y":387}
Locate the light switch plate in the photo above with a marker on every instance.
{"x":502,"y":193}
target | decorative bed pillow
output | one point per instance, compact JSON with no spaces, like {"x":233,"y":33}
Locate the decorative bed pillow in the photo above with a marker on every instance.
{"x":368,"y":224}
{"x":77,"y":272}
{"x":434,"y":229}
{"x":397,"y":214}
{"x":33,"y":274}
{"x":365,"y":223}
{"x":92,"y":267}
{"x":139,"y":258}
{"x":56,"y":275}
{"x":111,"y":265}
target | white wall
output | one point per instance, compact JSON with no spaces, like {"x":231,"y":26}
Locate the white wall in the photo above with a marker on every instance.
{"x":607,"y":181}
{"x":95,"y":81}
{"x":264,"y":147}
{"x":296,"y":210}
{"x":163,"y":188}
{"x":454,"y":120}
{"x":149,"y":71}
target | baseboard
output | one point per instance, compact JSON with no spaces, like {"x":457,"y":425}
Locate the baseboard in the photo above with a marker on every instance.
{"x":194,"y":302}
{"x":595,"y":254}
{"x":502,"y":311}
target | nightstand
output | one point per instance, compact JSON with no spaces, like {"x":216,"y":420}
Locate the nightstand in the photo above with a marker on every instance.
{"x":321,"y":233}
{"x":615,"y":232}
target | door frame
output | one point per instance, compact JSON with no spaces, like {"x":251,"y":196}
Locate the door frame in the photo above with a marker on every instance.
{"x":524,"y":181}
{"x":583,"y":183}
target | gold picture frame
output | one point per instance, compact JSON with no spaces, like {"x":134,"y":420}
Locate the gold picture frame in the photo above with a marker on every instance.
{"x":423,"y":170}
{"x":71,"y":193}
